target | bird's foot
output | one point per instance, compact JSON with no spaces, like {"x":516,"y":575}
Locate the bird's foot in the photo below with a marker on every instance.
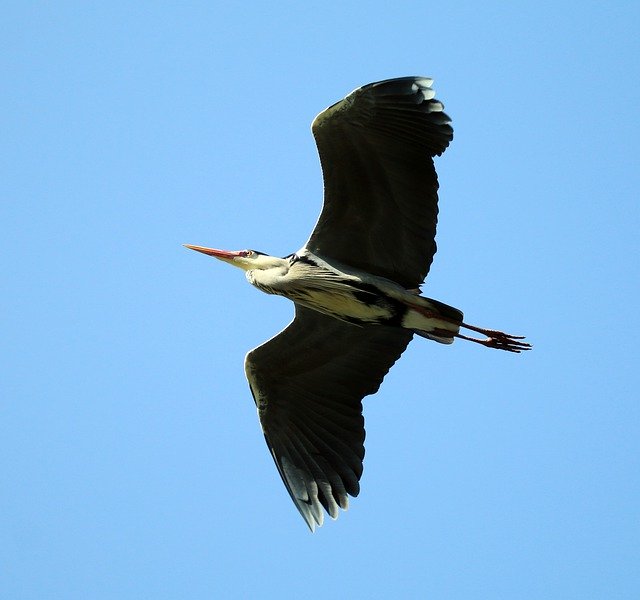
{"x":497,"y":339}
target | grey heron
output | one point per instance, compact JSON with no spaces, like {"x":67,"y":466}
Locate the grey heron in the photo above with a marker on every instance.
{"x":355,"y":285}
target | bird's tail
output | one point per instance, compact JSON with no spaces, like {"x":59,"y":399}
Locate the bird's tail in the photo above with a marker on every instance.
{"x":442,"y":323}
{"x":432,"y":319}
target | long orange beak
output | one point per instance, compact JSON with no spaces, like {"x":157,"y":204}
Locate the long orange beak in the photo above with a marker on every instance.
{"x":224,"y":254}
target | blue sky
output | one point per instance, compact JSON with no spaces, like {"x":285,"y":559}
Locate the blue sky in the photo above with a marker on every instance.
{"x":131,"y":459}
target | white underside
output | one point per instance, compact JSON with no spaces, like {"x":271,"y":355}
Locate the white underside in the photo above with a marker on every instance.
{"x":342,"y":302}
{"x":425,"y":326}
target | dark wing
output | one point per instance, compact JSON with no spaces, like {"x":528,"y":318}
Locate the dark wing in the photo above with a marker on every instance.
{"x":308,"y":383}
{"x":380,"y":185}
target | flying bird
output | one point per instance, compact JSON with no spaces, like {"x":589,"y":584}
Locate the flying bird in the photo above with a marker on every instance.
{"x":355,"y":287}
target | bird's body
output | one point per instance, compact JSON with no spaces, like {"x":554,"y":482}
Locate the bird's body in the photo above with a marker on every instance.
{"x":354,"y":296}
{"x":355,"y":288}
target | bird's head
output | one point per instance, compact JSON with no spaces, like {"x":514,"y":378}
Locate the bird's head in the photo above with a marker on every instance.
{"x":247,"y":260}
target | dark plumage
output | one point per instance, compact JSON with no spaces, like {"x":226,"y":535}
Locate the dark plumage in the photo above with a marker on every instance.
{"x":354,"y":285}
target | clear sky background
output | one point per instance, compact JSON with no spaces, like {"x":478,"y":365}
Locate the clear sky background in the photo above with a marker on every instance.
{"x":131,"y":460}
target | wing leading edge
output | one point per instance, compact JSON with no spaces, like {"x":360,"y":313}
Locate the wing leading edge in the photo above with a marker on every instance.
{"x":380,"y":186}
{"x":308,"y":383}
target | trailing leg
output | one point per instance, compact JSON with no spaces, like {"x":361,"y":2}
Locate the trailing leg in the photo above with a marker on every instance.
{"x":496,"y":339}
{"x":442,"y":323}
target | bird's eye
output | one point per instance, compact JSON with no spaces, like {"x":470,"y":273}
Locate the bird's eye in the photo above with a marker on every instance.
{"x":248,"y":253}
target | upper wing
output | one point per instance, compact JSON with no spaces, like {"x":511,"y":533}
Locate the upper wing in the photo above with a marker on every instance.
{"x":308,"y":383}
{"x":380,"y":185}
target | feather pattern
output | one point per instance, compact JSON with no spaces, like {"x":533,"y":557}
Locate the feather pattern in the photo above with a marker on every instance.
{"x":308,"y":383}
{"x":380,"y":185}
